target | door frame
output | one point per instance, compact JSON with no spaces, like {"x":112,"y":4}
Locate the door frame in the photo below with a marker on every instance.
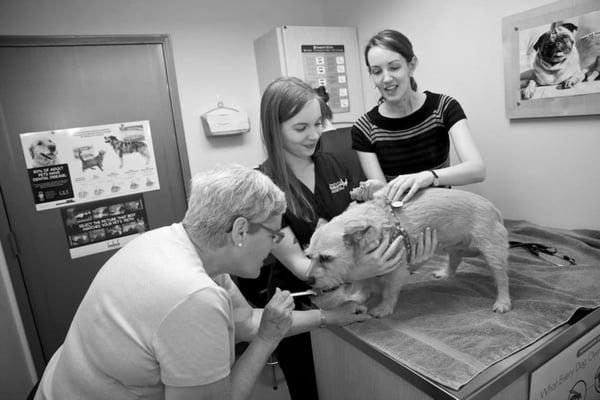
{"x":6,"y":240}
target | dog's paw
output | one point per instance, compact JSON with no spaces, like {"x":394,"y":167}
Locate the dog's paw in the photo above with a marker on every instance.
{"x":566,"y":84}
{"x":441,"y":273}
{"x":570,"y":82}
{"x":527,"y":93}
{"x":382,"y":310}
{"x":502,"y":306}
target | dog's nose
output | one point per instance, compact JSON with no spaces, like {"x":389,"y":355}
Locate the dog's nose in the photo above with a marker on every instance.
{"x":311,"y":280}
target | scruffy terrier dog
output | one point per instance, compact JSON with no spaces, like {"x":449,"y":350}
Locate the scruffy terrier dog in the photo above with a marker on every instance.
{"x":122,"y":147}
{"x":43,"y":153}
{"x":466,"y":224}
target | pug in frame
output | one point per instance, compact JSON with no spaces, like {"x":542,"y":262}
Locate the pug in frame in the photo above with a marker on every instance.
{"x":556,"y":61}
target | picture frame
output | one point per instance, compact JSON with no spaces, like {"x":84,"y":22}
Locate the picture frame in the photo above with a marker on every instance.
{"x":527,"y":57}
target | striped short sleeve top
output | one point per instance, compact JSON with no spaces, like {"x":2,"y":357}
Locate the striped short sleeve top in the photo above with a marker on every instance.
{"x":420,"y":141}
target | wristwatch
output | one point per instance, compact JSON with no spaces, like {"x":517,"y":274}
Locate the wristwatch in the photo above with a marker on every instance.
{"x":323,"y":322}
{"x":436,"y":178}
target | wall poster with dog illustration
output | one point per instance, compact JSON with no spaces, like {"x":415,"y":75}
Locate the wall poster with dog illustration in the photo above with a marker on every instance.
{"x":84,"y":164}
{"x":104,"y":225}
{"x":552,"y":60}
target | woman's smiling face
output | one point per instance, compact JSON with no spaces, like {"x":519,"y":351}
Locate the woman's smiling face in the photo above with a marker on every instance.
{"x":390,"y":72}
{"x":301,"y":133}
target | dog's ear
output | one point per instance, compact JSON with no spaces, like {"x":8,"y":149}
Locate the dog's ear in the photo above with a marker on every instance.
{"x":354,"y":230}
{"x":569,"y":26}
{"x":31,"y":151}
{"x":540,"y":40}
{"x":321,"y":222}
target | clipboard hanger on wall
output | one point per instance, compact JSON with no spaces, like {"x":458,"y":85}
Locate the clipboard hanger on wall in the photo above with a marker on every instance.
{"x":221,"y":106}
{"x":223,"y":120}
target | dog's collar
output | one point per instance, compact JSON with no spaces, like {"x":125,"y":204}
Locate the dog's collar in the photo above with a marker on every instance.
{"x":397,"y":229}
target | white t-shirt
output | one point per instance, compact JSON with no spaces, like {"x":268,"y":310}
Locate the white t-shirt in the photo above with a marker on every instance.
{"x":151,"y":317}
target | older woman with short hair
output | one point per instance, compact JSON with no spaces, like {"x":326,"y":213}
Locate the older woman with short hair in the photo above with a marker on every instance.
{"x":161,"y":318}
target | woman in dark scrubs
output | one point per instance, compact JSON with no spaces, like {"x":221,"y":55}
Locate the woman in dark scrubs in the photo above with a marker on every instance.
{"x":317,"y":186}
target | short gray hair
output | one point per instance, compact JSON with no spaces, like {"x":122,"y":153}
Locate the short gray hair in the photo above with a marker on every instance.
{"x":221,"y":195}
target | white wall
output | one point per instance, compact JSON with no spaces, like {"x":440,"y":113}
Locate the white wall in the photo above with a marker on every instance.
{"x":542,"y":170}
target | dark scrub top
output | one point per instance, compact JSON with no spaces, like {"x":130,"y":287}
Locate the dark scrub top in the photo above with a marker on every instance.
{"x":333,"y":183}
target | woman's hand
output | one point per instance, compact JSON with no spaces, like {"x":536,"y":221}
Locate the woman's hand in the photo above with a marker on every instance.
{"x":381,"y":258}
{"x":411,"y":182}
{"x":347,"y":313}
{"x":424,"y":247}
{"x":366,"y":189}
{"x":277,"y":317}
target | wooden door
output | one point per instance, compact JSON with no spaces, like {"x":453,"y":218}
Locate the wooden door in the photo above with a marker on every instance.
{"x":49,"y":83}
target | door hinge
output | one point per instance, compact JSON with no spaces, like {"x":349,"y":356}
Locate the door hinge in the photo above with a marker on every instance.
{"x":14,"y":245}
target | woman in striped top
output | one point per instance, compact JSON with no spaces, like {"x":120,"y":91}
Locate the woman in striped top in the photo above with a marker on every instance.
{"x":405,"y":139}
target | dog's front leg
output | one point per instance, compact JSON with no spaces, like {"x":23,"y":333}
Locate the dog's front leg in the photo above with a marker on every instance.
{"x":387,"y":305}
{"x":529,"y":90}
{"x":392,"y":283}
{"x":571,"y":81}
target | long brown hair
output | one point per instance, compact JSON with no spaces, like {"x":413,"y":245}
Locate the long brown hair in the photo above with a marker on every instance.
{"x":282,"y":100}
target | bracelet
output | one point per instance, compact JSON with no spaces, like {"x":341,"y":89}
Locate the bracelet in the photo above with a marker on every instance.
{"x":323,"y":323}
{"x":436,"y":178}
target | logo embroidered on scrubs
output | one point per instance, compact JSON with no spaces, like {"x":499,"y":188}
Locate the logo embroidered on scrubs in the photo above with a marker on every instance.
{"x":338,"y":186}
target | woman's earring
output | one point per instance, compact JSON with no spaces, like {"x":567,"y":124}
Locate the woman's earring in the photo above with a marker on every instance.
{"x":239,"y":245}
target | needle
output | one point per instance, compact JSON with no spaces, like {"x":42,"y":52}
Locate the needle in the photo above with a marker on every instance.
{"x":305,"y":293}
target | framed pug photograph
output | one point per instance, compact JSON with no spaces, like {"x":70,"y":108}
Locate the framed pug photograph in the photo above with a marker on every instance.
{"x":552,"y":60}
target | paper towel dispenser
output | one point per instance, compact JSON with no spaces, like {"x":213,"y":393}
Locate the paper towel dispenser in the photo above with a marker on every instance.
{"x":223,"y":121}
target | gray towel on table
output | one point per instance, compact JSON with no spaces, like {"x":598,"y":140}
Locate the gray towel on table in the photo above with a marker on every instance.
{"x":446,"y":330}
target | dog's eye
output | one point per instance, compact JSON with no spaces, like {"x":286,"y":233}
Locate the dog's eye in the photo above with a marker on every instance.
{"x":324,"y":259}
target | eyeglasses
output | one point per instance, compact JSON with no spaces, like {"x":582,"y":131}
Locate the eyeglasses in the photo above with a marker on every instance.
{"x":277,"y":235}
